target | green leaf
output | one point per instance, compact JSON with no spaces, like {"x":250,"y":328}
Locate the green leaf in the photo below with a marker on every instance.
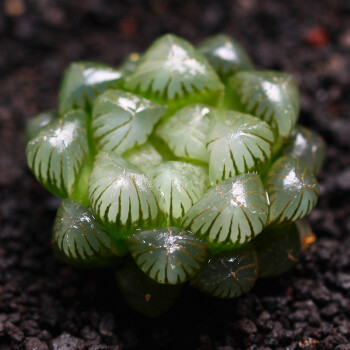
{"x":122,"y":197}
{"x":143,"y":294}
{"x":181,"y":185}
{"x":34,"y":125}
{"x":168,"y":255}
{"x":83,"y":82}
{"x":79,"y":239}
{"x":278,"y":250}
{"x":293,"y":190}
{"x":237,"y":143}
{"x":228,"y":274}
{"x":271,"y":96}
{"x":58,"y":154}
{"x":225,"y":55}
{"x":185,"y":132}
{"x":308,"y":146}
{"x":231,"y":212}
{"x":172,"y":69}
{"x":144,"y":157}
{"x":122,"y":120}
{"x":130,"y":63}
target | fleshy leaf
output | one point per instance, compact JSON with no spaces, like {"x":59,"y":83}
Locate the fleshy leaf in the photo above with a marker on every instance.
{"x":172,"y":69}
{"x":185,"y":132}
{"x":228,"y":274}
{"x":83,"y":82}
{"x":308,"y":147}
{"x":293,"y":190}
{"x":169,"y":255}
{"x":232,"y":212}
{"x":79,"y":239}
{"x":271,"y":96}
{"x":277,"y":249}
{"x":237,"y":143}
{"x":130,"y":63}
{"x":144,"y":294}
{"x":122,"y":197}
{"x":225,"y":55}
{"x":181,"y":185}
{"x":122,"y":120}
{"x":58,"y":154}
{"x":34,"y":125}
{"x":144,"y":157}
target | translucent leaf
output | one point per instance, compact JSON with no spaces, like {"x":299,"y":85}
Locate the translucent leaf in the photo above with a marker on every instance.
{"x":278,"y":250}
{"x":79,"y":239}
{"x":271,"y":96}
{"x":144,"y":157}
{"x":144,"y":294}
{"x":293,"y":190}
{"x":173,"y":69}
{"x":34,"y":125}
{"x":308,"y":147}
{"x":232,"y":212}
{"x":168,"y":255}
{"x":58,"y":154}
{"x":83,"y":82}
{"x":122,"y":196}
{"x":181,"y":185}
{"x":130,"y":63}
{"x":225,"y":55}
{"x":185,"y":132}
{"x":237,"y":143}
{"x":122,"y":120}
{"x":228,"y":274}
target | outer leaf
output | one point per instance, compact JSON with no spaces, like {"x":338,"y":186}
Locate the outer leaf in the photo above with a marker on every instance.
{"x":172,"y":69}
{"x":181,"y":185}
{"x":185,"y":132}
{"x":233,"y":211}
{"x":144,"y":157}
{"x":34,"y":125}
{"x":168,"y":255}
{"x":122,"y":120}
{"x":83,"y":81}
{"x":307,"y":237}
{"x":79,"y":239}
{"x":308,"y":147}
{"x":225,"y":55}
{"x":237,"y":143}
{"x":228,"y":274}
{"x":271,"y":96}
{"x":122,"y":196}
{"x":293,"y":190}
{"x":144,"y":294}
{"x":278,"y":250}
{"x":58,"y":154}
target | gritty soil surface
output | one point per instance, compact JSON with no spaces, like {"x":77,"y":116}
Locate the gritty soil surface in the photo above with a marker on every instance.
{"x":46,"y":305}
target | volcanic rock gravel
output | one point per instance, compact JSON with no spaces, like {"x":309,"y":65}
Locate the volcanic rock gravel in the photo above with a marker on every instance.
{"x":46,"y":305}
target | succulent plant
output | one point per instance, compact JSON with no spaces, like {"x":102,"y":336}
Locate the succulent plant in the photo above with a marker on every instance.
{"x":182,"y":165}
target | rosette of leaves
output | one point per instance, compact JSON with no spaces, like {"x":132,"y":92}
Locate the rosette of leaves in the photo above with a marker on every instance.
{"x":183,"y":165}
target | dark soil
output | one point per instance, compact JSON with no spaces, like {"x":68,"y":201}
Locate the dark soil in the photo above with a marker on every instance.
{"x":44,"y":304}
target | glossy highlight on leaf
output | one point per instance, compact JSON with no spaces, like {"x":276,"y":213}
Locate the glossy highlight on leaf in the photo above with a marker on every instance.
{"x":79,"y":239}
{"x":271,"y":96}
{"x":122,"y":196}
{"x":237,"y":144}
{"x":59,"y":152}
{"x":232,"y":212}
{"x":226,"y":55}
{"x":83,"y":82}
{"x":293,"y":190}
{"x":185,"y":132}
{"x":228,"y":274}
{"x":180,"y":185}
{"x":173,"y":69}
{"x":122,"y":120}
{"x":169,"y":255}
